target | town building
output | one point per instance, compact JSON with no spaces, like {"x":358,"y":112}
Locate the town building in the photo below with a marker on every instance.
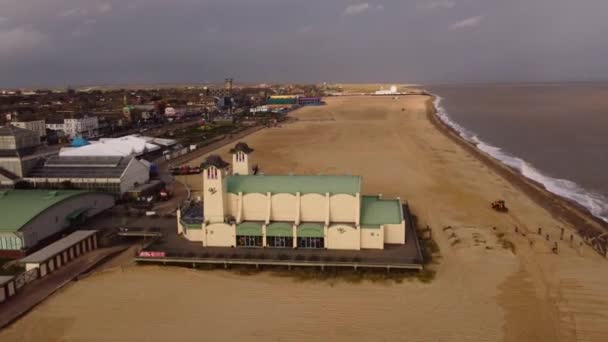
{"x":84,"y":125}
{"x":37,"y":126}
{"x":391,"y":91}
{"x":284,"y":211}
{"x":113,"y":174}
{"x":20,"y":150}
{"x":31,"y":216}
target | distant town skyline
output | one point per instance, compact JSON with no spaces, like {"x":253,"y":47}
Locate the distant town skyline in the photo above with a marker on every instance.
{"x":56,"y":43}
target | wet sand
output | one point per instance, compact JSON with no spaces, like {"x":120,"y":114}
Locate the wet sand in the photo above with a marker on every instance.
{"x":482,"y":291}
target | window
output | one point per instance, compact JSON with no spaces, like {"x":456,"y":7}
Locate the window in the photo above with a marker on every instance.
{"x":249,"y":241}
{"x":310,"y":242}
{"x":279,"y":241}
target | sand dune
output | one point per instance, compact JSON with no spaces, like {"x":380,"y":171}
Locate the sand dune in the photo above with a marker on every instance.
{"x":482,"y":292}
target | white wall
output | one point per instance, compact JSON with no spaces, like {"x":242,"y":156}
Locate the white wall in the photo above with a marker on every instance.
{"x":372,"y":238}
{"x":312,"y":208}
{"x":343,"y":237}
{"x":194,"y":234}
{"x":255,"y":207}
{"x":221,"y":235}
{"x":214,"y":201}
{"x":232,"y":207}
{"x":136,"y":172}
{"x":394,"y":233}
{"x":343,"y":208}
{"x":283,"y":207}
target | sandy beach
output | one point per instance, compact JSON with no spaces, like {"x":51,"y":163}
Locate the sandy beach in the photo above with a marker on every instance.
{"x":482,"y":290}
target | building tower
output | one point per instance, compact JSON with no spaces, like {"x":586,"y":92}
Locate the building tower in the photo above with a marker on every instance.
{"x":214,"y":181}
{"x":228,"y":86}
{"x":240,"y":159}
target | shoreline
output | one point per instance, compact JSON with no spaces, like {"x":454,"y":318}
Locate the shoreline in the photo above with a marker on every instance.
{"x":585,"y":223}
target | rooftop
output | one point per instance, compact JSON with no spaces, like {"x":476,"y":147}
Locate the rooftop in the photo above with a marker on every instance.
{"x":120,"y":147}
{"x":18,"y":207}
{"x":241,"y":147}
{"x":80,"y":167}
{"x":350,"y":185}
{"x":5,"y":279}
{"x":376,"y":211}
{"x":10,"y":130}
{"x":57,"y":247}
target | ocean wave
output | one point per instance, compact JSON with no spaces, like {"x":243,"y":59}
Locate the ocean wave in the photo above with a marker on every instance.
{"x":596,"y":203}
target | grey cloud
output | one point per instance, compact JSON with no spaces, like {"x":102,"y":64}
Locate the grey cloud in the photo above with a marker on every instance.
{"x":136,"y":41}
{"x":362,"y":7}
{"x":436,"y":4}
{"x":468,"y":22}
{"x":19,"y":40}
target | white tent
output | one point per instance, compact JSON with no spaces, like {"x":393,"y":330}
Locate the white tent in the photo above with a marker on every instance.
{"x":125,"y":146}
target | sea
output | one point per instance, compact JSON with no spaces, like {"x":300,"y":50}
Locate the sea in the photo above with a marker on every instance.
{"x":553,"y":133}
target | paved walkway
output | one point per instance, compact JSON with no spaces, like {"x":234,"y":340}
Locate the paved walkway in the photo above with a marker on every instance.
{"x":37,"y":291}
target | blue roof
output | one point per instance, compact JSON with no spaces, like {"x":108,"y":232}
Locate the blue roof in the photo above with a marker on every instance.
{"x":79,"y":142}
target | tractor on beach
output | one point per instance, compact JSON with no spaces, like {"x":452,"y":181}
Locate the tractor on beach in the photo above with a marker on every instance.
{"x":499,"y":205}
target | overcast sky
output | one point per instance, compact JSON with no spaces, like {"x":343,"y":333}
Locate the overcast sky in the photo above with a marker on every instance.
{"x":85,"y":42}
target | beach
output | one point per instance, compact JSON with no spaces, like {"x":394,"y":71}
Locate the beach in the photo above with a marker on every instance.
{"x":493,"y":283}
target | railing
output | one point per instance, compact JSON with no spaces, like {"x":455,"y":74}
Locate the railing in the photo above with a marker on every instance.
{"x":276,"y":256}
{"x":26,"y":277}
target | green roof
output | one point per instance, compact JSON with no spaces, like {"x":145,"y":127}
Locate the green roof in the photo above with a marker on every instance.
{"x":376,"y":212}
{"x":279,"y":229}
{"x":292,"y":184}
{"x":18,"y":207}
{"x":249,"y":229}
{"x":281,"y":101}
{"x":192,"y":225}
{"x":310,"y":230}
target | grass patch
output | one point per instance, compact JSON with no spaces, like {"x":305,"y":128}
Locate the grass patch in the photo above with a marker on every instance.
{"x":506,"y":244}
{"x":426,"y":275}
{"x":335,"y":275}
{"x":430,"y":251}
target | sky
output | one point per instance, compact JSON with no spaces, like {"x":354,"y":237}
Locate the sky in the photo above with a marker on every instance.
{"x":46,"y":43}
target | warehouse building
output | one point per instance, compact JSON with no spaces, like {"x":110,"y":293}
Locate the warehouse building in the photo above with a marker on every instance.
{"x":244,"y":210}
{"x":31,"y":216}
{"x":114,"y":174}
{"x":20,"y":150}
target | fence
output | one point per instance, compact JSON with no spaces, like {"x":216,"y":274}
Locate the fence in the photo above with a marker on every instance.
{"x":26,"y":277}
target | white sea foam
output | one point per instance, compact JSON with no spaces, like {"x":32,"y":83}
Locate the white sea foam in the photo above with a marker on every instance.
{"x":596,"y":203}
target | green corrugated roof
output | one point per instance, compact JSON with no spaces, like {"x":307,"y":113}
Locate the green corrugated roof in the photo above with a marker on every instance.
{"x":292,"y":184}
{"x":279,"y":229}
{"x":192,"y":225}
{"x":18,"y":207}
{"x":281,"y":101}
{"x":376,"y":211}
{"x":249,"y":229}
{"x":310,"y":230}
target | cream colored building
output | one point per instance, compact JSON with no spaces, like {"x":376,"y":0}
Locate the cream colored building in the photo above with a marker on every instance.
{"x":37,"y":126}
{"x":244,"y":210}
